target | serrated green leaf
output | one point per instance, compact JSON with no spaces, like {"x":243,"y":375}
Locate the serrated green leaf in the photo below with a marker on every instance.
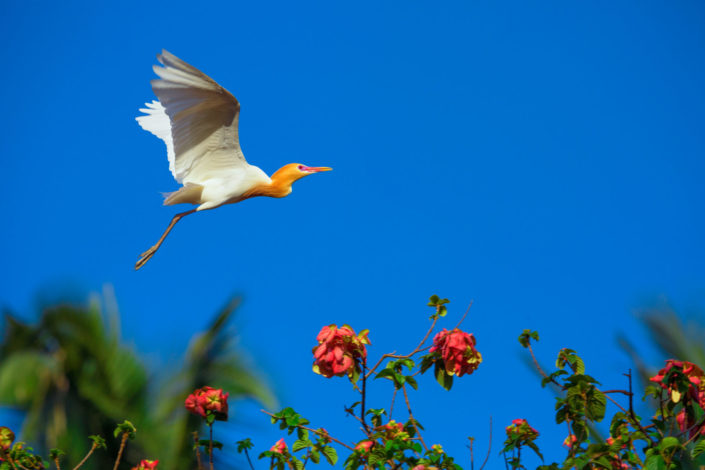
{"x":597,"y":405}
{"x":300,"y":444}
{"x":698,"y":449}
{"x":330,"y":454}
{"x":315,"y":456}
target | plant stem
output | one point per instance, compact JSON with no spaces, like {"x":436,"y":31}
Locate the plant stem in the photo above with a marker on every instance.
{"x":489,"y":447}
{"x":198,"y":450}
{"x":247,"y":454}
{"x":56,"y":462}
{"x":364,"y":394}
{"x":411,"y":417}
{"x":123,"y":441}
{"x":210,"y":446}
{"x":93,"y":447}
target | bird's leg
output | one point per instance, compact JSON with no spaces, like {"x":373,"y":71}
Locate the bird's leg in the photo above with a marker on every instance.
{"x":144,"y":257}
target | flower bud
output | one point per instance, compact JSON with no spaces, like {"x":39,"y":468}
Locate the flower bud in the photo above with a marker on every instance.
{"x":279,"y":446}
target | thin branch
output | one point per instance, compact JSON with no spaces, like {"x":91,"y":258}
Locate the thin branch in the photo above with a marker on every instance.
{"x":90,"y":451}
{"x":411,"y":417}
{"x":313,"y":431}
{"x":391,"y":407}
{"x":489,"y":447}
{"x":364,"y":395}
{"x":123,"y":441}
{"x":210,"y":446}
{"x":464,"y":315}
{"x":247,"y":454}
{"x":198,"y":450}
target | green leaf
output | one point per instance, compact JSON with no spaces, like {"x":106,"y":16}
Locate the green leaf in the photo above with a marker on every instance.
{"x":298,"y":464}
{"x":205,"y":443}
{"x":300,"y":444}
{"x":597,"y":405}
{"x":315,"y":456}
{"x":655,"y":462}
{"x":385,"y":374}
{"x":412,"y":381}
{"x":668,"y":443}
{"x":445,"y":380}
{"x":698,"y":449}
{"x":535,"y":449}
{"x":98,"y":441}
{"x":244,"y":444}
{"x":526,"y":336}
{"x":330,"y":454}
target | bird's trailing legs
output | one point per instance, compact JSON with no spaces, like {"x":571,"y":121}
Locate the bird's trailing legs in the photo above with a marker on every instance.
{"x":144,"y":257}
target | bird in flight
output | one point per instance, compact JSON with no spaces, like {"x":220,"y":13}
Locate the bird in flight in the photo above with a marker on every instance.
{"x":197,"y":120}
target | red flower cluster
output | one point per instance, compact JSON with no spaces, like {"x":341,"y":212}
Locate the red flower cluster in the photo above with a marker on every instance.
{"x":147,"y":465}
{"x":206,"y":401}
{"x":570,"y":441}
{"x":339,"y":351}
{"x":521,"y":430}
{"x":458,"y":351}
{"x":695,"y":391}
{"x":279,"y":446}
{"x":364,"y":446}
{"x":393,"y":430}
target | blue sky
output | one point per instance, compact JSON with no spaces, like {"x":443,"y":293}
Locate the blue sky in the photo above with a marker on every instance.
{"x":545,"y":159}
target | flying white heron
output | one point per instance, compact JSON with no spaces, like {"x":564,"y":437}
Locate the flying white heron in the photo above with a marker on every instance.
{"x":197,"y":120}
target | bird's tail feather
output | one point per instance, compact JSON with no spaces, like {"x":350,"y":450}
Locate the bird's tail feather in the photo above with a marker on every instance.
{"x":190,"y":193}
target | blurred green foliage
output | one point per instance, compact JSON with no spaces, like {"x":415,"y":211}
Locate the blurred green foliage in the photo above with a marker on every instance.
{"x":72,"y":376}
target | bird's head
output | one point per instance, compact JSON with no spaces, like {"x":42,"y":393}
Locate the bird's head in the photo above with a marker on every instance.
{"x":287,"y":174}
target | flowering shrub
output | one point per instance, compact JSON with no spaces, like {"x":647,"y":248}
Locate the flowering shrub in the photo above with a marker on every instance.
{"x":672,"y":439}
{"x":685,"y":384}
{"x":519,"y":434}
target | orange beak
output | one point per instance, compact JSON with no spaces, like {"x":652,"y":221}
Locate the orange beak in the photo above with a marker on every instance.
{"x":316,"y":169}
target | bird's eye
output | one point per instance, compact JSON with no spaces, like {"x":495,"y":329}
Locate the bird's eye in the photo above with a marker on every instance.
{"x":301,"y":167}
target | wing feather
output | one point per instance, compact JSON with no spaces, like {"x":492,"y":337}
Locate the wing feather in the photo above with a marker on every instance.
{"x":156,"y":121}
{"x":202,"y":118}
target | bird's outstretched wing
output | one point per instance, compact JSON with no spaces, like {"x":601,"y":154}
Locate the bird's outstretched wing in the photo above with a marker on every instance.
{"x":196,"y":118}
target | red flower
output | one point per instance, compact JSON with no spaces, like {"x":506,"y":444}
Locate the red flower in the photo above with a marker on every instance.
{"x":147,"y":465}
{"x":521,"y":430}
{"x":339,"y":351}
{"x":207,"y":400}
{"x":695,"y":392}
{"x":364,"y":446}
{"x":570,"y":440}
{"x":457,"y":349}
{"x":279,"y":446}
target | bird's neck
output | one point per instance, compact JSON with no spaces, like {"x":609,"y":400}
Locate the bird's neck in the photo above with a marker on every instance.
{"x":280,"y":185}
